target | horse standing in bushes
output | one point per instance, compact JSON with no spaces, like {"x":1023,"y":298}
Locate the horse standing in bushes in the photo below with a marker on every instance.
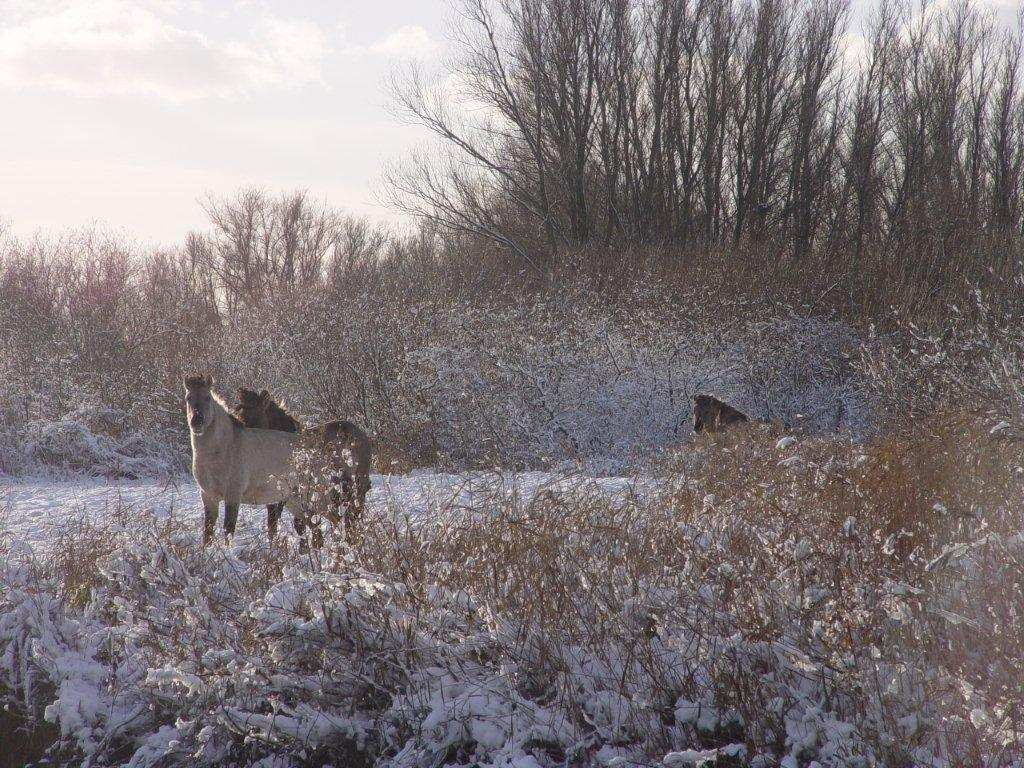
{"x":712,"y":415}
{"x":233,"y":463}
{"x":342,"y":447}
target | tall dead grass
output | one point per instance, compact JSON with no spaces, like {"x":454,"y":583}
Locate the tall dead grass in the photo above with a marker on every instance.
{"x":836,"y":551}
{"x":768,"y":595}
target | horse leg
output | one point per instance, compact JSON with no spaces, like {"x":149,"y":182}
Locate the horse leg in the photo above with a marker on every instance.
{"x":301,"y":521}
{"x":341,"y":499}
{"x":230,"y":517}
{"x":362,"y":488}
{"x":211,"y":508}
{"x":353,"y":493}
{"x":273,"y":516}
{"x":339,"y":496}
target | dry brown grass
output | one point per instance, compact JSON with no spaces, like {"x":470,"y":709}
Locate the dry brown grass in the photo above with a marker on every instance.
{"x":804,"y":547}
{"x":875,"y":516}
{"x":890,"y":484}
{"x":76,"y":548}
{"x":574,"y":571}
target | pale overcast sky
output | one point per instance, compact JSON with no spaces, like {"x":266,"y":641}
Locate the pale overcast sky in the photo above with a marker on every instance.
{"x":127,"y":112}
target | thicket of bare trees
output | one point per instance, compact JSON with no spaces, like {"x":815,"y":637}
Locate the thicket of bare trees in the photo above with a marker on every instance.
{"x":259,"y":244}
{"x":695,"y":124}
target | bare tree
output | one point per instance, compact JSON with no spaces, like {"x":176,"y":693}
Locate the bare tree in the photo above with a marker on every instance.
{"x":259,"y":243}
{"x":618,"y":123}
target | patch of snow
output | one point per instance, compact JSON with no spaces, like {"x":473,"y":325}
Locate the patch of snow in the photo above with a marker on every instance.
{"x":32,"y":509}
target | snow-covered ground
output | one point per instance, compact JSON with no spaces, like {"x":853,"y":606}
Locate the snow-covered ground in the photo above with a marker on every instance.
{"x":30,"y":508}
{"x":749,"y":629}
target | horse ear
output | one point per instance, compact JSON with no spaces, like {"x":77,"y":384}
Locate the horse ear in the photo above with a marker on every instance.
{"x":209,"y":381}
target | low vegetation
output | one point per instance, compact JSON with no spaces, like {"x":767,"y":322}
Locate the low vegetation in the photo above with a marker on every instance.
{"x":773,"y":601}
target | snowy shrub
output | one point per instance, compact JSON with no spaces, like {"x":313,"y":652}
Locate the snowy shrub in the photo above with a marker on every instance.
{"x":772,"y":602}
{"x":445,"y":364}
{"x":974,"y":362}
{"x":89,"y":440}
{"x":553,"y":380}
{"x":546,"y":380}
{"x":559,"y":375}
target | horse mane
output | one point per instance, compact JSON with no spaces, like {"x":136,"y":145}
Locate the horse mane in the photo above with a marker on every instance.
{"x":236,"y":410}
{"x":227,"y":409}
{"x":280,"y":418}
{"x":270,"y":414}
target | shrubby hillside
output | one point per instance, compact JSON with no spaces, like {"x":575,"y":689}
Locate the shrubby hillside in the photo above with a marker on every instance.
{"x":553,"y":377}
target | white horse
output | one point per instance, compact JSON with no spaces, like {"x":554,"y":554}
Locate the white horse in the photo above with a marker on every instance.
{"x":232,"y":463}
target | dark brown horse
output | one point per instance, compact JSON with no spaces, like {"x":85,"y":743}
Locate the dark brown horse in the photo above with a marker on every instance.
{"x":253,"y":412}
{"x":712,"y":415}
{"x":345,"y":446}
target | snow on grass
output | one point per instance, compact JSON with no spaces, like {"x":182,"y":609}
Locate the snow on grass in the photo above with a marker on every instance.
{"x":31,"y":507}
{"x":88,"y":440}
{"x":737,"y":612}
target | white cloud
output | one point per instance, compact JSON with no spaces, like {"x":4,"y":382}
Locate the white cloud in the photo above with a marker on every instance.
{"x":411,"y":42}
{"x":118,"y":47}
{"x":297,"y":48}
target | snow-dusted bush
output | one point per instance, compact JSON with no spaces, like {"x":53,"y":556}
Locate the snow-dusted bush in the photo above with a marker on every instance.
{"x":777,"y":602}
{"x":564,"y":376}
{"x":89,"y":440}
{"x":547,"y":379}
{"x":564,"y":380}
{"x":443,"y":362}
{"x":608,"y":393}
{"x":975,"y":362}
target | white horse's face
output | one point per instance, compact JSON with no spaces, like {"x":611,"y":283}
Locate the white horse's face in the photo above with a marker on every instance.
{"x":198,"y":405}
